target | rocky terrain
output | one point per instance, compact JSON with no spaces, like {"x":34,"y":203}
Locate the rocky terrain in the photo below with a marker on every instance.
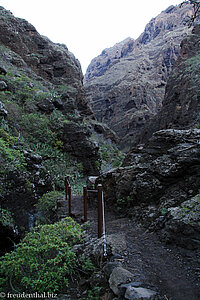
{"x":181,"y":108}
{"x":126,"y":83}
{"x":159,"y":179}
{"x":48,"y":130}
{"x":158,"y":183}
{"x":135,"y":264}
{"x":46,"y":123}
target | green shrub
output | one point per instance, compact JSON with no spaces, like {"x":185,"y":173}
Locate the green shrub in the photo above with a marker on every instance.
{"x":10,"y":158}
{"x":36,"y":128}
{"x":164,"y":210}
{"x":86,"y":264}
{"x":47,"y":206}
{"x":57,"y":118}
{"x":6,"y":218}
{"x":110,"y":155}
{"x":43,"y":261}
{"x":94,"y":293}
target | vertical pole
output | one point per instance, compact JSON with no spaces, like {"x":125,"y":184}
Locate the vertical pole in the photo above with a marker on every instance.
{"x":85,"y":202}
{"x":70,"y":201}
{"x":66,"y":186}
{"x":100,"y":210}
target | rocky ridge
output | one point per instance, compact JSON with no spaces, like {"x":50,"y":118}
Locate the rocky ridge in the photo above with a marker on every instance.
{"x":126,"y":83}
{"x":52,"y":62}
{"x":46,"y":124}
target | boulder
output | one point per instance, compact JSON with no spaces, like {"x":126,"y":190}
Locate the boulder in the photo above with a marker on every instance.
{"x":110,"y":266}
{"x":3,"y":111}
{"x":3,"y":70}
{"x":182,"y":224}
{"x":118,"y":276}
{"x":139,"y":293}
{"x":164,"y":168}
{"x":76,"y":139}
{"x":3,"y":86}
{"x":45,"y":105}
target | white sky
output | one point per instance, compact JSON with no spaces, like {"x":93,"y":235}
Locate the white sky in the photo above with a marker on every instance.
{"x":88,"y":26}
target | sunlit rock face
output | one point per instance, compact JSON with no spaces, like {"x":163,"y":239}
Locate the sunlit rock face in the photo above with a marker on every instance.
{"x":126,"y":83}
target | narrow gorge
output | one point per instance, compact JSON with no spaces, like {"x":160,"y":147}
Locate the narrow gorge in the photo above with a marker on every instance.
{"x":131,"y":124}
{"x":126,"y":83}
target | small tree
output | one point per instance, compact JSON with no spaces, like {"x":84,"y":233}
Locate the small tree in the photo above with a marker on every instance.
{"x":196,"y":12}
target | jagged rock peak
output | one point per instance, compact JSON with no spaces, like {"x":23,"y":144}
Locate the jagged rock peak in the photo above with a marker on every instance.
{"x":23,"y":38}
{"x":125,"y":91}
{"x":108,"y":58}
{"x":167,"y":20}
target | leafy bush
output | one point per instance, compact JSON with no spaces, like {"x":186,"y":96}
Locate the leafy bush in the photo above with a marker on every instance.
{"x":58,"y":164}
{"x":111,"y":156}
{"x":93,"y":294}
{"x":47,"y":206}
{"x":43,"y":261}
{"x":10,"y":158}
{"x":6,"y":218}
{"x":35,"y":128}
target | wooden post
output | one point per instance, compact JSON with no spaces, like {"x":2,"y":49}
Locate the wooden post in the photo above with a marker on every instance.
{"x":85,"y":202}
{"x":66,"y":186}
{"x":100,"y":210}
{"x":70,"y":201}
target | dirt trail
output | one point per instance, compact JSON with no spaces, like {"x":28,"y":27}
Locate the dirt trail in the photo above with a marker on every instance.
{"x":146,"y":256}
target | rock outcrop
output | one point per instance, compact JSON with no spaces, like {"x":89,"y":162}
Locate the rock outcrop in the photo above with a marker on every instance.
{"x":158,"y":178}
{"x":181,"y":105}
{"x":45,"y":120}
{"x":53,"y":62}
{"x":126,"y":83}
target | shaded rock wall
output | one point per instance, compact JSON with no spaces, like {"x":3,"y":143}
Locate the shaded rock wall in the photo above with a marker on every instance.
{"x":126,"y":87}
{"x":43,"y":112}
{"x":153,"y":172}
{"x":156,"y":177}
{"x":181,"y":105}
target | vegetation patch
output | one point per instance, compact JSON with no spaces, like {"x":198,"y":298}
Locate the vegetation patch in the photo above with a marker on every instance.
{"x":44,"y":261}
{"x":47,"y":207}
{"x":6,"y":218}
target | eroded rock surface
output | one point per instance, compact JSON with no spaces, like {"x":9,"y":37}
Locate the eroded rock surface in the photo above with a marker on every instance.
{"x":161,"y":176}
{"x":126,"y":83}
{"x":181,"y":108}
{"x":44,"y":118}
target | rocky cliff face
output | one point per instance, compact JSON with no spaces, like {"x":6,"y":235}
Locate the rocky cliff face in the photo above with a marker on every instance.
{"x":181,"y":106}
{"x":52,"y":62}
{"x":159,"y":180}
{"x":159,"y":184}
{"x":45,"y":120}
{"x":126,"y":83}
